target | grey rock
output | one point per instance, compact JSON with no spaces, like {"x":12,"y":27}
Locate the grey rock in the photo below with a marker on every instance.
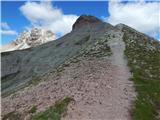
{"x":37,"y":61}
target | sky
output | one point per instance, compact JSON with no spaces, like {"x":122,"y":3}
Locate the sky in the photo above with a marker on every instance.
{"x":58,"y":16}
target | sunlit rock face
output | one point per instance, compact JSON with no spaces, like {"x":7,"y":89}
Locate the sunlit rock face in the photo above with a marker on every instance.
{"x":29,"y":38}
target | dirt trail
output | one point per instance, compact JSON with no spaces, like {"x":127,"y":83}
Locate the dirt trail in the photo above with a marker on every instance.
{"x":99,"y":86}
{"x":123,"y":93}
{"x":115,"y":96}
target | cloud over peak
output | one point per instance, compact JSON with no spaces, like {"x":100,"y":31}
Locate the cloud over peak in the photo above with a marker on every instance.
{"x":45,"y":15}
{"x":143,"y":16}
{"x":6,"y":30}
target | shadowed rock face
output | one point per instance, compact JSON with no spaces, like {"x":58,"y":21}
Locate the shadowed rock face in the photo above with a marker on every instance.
{"x":22,"y":66}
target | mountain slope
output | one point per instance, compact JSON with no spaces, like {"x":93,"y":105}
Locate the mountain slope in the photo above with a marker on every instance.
{"x":88,"y":65}
{"x":143,"y":55}
{"x":20,"y":67}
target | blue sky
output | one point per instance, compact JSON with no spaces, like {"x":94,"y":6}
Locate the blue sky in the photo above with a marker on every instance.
{"x":16,"y":16}
{"x":12,"y":16}
{"x":16,"y":20}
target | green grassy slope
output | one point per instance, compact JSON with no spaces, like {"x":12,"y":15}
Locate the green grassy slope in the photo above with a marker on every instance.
{"x":143,"y":54}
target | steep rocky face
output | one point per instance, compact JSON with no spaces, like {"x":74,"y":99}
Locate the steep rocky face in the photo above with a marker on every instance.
{"x":29,"y":38}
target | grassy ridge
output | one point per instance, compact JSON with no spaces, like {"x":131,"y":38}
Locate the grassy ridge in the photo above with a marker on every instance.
{"x":144,"y":60}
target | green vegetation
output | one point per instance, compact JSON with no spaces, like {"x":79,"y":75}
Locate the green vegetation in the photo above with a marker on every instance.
{"x":6,"y":80}
{"x":9,"y":76}
{"x":144,"y":60}
{"x":35,"y":80}
{"x":33,"y":109}
{"x":54,"y":112}
{"x":12,"y":116}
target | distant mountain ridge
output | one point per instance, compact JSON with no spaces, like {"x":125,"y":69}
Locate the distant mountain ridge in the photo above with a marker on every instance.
{"x":29,"y":38}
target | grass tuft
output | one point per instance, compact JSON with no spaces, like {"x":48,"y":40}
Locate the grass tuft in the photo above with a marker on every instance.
{"x":54,"y":112}
{"x":33,"y":109}
{"x":12,"y":116}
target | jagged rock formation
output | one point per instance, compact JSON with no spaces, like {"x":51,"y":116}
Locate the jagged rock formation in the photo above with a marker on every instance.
{"x":89,"y":64}
{"x":29,"y":38}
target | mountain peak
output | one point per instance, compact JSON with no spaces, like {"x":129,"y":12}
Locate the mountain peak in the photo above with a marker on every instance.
{"x":35,"y":36}
{"x":85,"y":19}
{"x":29,"y":38}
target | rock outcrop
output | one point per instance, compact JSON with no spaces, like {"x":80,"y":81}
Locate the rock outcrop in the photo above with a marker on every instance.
{"x":29,"y":38}
{"x":84,"y":20}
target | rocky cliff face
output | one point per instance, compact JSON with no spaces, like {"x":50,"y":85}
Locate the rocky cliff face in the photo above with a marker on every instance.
{"x":29,"y":38}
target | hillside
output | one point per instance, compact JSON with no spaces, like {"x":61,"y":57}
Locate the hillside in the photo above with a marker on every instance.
{"x":105,"y":72}
{"x":20,"y":67}
{"x":143,"y":55}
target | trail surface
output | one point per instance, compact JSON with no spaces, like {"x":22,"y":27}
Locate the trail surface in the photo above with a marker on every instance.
{"x":114,"y":92}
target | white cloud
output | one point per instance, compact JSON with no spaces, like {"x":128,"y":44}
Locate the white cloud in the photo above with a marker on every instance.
{"x":4,"y":25}
{"x":5,"y":29}
{"x":8,"y":32}
{"x":143,"y":16}
{"x":44,"y":15}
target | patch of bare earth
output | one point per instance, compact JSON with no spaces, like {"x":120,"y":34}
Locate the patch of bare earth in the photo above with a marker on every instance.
{"x":100,"y":87}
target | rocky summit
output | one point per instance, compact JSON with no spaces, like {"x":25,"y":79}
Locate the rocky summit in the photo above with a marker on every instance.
{"x":84,"y":20}
{"x":29,"y":38}
{"x":96,"y":72}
